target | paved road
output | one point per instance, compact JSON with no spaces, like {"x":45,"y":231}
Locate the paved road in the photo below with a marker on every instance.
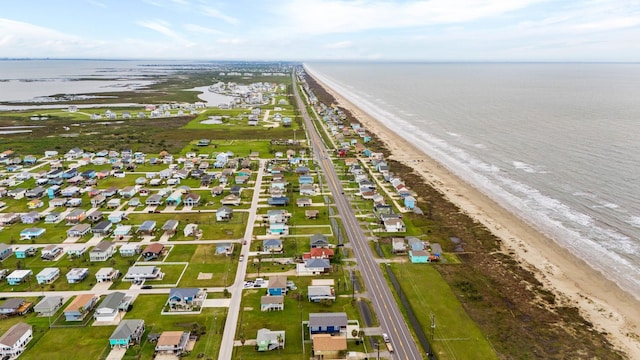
{"x":387,"y":310}
{"x":231,"y":324}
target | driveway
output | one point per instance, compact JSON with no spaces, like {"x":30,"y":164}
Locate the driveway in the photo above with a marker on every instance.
{"x":116,"y":353}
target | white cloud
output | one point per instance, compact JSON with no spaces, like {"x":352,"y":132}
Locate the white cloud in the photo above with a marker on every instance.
{"x":340,"y":45}
{"x":217,"y":14}
{"x":201,"y":29}
{"x":335,"y":16}
{"x":232,"y":41}
{"x":162,"y":27}
{"x":22,"y":39}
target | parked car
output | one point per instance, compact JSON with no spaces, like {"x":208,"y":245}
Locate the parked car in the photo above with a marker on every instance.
{"x":241,"y":258}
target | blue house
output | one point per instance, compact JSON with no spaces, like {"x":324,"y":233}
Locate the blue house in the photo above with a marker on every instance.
{"x":415,"y":244}
{"x":410,"y":202}
{"x":31,"y":233}
{"x":278,"y":229}
{"x":24,"y":251}
{"x":128,"y":332}
{"x":278,"y":201}
{"x":305,"y":179}
{"x":53,"y":191}
{"x":366,"y":152}
{"x":418,"y":256}
{"x":277,"y":285}
{"x":175,"y":198}
{"x":327,"y":323}
{"x":5,"y":251}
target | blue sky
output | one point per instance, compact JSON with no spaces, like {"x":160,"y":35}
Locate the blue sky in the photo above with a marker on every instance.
{"x":464,"y":30}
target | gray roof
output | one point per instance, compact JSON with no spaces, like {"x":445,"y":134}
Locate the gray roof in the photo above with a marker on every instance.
{"x":315,"y":263}
{"x":184,"y":292}
{"x":272,"y":242}
{"x":11,"y":337}
{"x":48,"y":303}
{"x":319,"y":239}
{"x":328,"y":319}
{"x":170,"y":224}
{"x":103,"y":245}
{"x":125,"y":329}
{"x":148,"y":225}
{"x":278,"y":299}
{"x":318,"y":290}
{"x":12,"y":303}
{"x":112,"y":301}
{"x":269,"y":335}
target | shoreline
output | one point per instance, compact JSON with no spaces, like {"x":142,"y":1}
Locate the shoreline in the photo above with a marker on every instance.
{"x":572,"y":280}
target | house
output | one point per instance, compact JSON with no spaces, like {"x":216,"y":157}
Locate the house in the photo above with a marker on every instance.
{"x":30,"y":217}
{"x":154,"y":200}
{"x":398,"y":246}
{"x":305,"y":179}
{"x":303,"y":202}
{"x":313,"y":267}
{"x":170,"y":226}
{"x":419,"y":256}
{"x":107,"y":274}
{"x":76,"y":216}
{"x":49,"y":305}
{"x":272,"y":245}
{"x":35,"y":204}
{"x":103,"y":251}
{"x":109,"y":308}
{"x":13,"y":306}
{"x":50,"y":252}
{"x":320,"y":253}
{"x":48,"y":275}
{"x":175,"y":198}
{"x":95,"y":216}
{"x":116,"y":217}
{"x":191,"y":230}
{"x":102,"y":228}
{"x":128,"y":191}
{"x":318,"y":293}
{"x":121,"y":231}
{"x":394,"y":225}
{"x":410,"y":202}
{"x":31,"y":233}
{"x":307,"y":190}
{"x":53,"y":217}
{"x":311,"y":214}
{"x":328,"y":323}
{"x":224,"y":248}
{"x":76,"y":275}
{"x":8,"y":218}
{"x":80,"y":307}
{"x":152,"y":251}
{"x":147,"y":227}
{"x":18,"y":277}
{"x":224,"y":214}
{"x":79,"y":230}
{"x":272,"y":303}
{"x":172,"y":342}
{"x":113,"y":203}
{"x":230,"y":200}
{"x":142,"y":273}
{"x":5,"y":251}
{"x":186,"y":299}
{"x":14,"y":341}
{"x":98,"y":200}
{"x":76,"y":250}
{"x":130,"y":249}
{"x":278,"y":201}
{"x":319,"y":241}
{"x":267,"y":340}
{"x":277,"y":285}
{"x":192,"y":199}
{"x":23,"y":251}
{"x":415,"y":244}
{"x":128,"y":332}
{"x":326,"y":346}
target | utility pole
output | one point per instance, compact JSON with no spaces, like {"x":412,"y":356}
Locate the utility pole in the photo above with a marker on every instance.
{"x":378,"y":347}
{"x":433,"y":325}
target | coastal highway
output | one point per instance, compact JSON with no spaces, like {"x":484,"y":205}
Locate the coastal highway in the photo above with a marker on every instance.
{"x":384,"y":305}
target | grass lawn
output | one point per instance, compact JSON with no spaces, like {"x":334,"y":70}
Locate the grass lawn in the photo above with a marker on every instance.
{"x":62,"y":343}
{"x":204,"y":260}
{"x":148,"y":307}
{"x":211,"y":230}
{"x":456,"y":335}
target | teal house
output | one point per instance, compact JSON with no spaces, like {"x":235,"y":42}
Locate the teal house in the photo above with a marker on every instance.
{"x":418,"y":256}
{"x":129,"y":332}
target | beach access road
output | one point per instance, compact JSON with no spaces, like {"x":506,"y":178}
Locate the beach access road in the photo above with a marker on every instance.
{"x":386,"y":308}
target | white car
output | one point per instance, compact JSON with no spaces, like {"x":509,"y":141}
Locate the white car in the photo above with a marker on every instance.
{"x":385,"y":337}
{"x":241,"y":258}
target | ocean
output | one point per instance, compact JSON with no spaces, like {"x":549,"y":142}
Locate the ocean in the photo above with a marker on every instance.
{"x":558,"y":144}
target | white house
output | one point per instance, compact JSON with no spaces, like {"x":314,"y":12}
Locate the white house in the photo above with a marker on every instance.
{"x":107,"y":274}
{"x":15,"y":340}
{"x":103,"y":251}
{"x":48,"y":275}
{"x":141,"y":273}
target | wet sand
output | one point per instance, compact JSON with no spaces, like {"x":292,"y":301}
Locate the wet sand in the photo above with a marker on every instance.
{"x":602,"y":302}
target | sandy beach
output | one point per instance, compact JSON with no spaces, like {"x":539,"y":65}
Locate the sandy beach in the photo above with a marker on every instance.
{"x":602,"y":302}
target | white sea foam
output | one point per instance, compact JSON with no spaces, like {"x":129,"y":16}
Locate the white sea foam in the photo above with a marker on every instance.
{"x":524,"y":167}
